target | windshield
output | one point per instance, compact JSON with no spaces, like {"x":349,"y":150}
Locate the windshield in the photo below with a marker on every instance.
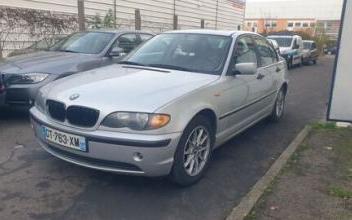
{"x":85,"y":42}
{"x":307,"y":45}
{"x":283,"y":41}
{"x":187,"y":52}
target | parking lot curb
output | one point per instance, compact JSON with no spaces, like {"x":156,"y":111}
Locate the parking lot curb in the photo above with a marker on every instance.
{"x":248,"y":202}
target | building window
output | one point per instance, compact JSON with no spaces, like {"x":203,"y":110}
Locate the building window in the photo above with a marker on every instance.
{"x":312,"y":25}
{"x":290,"y":24}
{"x":298,"y":24}
{"x":249,"y":24}
{"x":305,"y":25}
{"x":274,"y":24}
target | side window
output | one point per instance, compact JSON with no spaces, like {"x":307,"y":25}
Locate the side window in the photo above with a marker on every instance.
{"x":266,"y":52}
{"x":145,"y":37}
{"x":314,"y":46}
{"x":245,"y":51}
{"x":126,"y":42}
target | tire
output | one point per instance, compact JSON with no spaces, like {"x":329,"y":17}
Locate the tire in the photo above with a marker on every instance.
{"x":289,"y":64}
{"x":187,"y":153}
{"x":279,"y":107}
{"x":301,"y":63}
{"x":314,"y":62}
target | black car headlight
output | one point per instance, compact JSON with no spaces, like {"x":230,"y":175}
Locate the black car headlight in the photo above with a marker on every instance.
{"x":136,"y":120}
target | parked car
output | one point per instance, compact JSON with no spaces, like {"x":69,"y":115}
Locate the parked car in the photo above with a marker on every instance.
{"x":275,"y":45}
{"x":41,"y":45}
{"x":291,"y":48}
{"x":24,"y":75}
{"x":330,"y":50}
{"x":310,"y":52}
{"x":165,"y":107}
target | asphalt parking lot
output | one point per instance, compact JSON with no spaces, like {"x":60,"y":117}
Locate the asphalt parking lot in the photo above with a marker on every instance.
{"x":35,"y":185}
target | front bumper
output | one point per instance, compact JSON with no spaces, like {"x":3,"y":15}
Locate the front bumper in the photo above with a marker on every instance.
{"x":21,"y":94}
{"x":113,"y":151}
{"x":2,"y":98}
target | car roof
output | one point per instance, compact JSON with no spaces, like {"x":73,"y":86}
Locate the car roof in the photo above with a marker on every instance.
{"x":118,"y":31}
{"x":283,"y":36}
{"x":212,"y":32}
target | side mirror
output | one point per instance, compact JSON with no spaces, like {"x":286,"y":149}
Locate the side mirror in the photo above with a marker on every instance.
{"x":245,"y":69}
{"x":116,"y":52}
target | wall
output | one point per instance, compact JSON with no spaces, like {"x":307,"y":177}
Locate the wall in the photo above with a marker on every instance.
{"x":157,"y":15}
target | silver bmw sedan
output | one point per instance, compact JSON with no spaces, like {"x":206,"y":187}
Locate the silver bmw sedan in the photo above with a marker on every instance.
{"x":165,"y":107}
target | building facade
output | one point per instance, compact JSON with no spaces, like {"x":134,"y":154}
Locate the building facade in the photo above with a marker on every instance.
{"x":274,"y":25}
{"x":313,"y":16}
{"x":156,"y":15}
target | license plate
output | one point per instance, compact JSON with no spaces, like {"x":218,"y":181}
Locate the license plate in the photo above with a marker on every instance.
{"x":64,"y":139}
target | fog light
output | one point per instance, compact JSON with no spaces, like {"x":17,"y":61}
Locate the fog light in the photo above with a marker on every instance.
{"x":138,"y":156}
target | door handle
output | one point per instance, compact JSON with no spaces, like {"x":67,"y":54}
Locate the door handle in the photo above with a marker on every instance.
{"x":260,"y":76}
{"x":278,"y":69}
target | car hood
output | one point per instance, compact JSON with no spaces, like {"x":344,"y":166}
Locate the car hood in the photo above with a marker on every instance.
{"x":125,"y":88}
{"x":285,"y":50}
{"x":46,"y":62}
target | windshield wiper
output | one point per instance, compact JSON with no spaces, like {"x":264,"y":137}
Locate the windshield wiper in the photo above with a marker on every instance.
{"x":131,"y":63}
{"x":167,"y":66}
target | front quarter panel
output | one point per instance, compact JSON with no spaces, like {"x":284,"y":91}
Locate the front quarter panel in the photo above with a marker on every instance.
{"x":185,"y":108}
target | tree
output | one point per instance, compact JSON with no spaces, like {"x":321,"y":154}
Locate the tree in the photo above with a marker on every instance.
{"x":38,"y":24}
{"x":96,"y":21}
{"x":109,"y":19}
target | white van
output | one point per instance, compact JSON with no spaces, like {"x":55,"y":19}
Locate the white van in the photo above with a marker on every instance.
{"x":291,"y":48}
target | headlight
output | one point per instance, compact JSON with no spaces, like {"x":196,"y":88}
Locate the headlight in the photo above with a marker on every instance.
{"x":30,"y":78}
{"x":135,"y":120}
{"x":40,"y":101}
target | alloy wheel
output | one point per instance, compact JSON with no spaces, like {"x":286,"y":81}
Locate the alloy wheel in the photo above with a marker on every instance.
{"x":196,"y":151}
{"x":280,"y":104}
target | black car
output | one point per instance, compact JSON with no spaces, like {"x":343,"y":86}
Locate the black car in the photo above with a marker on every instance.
{"x":25,"y":74}
{"x":330,"y":50}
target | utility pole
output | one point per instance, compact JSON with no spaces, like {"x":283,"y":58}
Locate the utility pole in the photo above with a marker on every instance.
{"x":81,"y":17}
{"x":137,"y":19}
{"x":216,"y":14}
{"x":175,"y":18}
{"x":115,"y":25}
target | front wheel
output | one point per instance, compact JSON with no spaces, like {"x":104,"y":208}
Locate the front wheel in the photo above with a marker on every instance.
{"x":279,"y":107}
{"x":193,"y":153}
{"x":289,"y":64}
